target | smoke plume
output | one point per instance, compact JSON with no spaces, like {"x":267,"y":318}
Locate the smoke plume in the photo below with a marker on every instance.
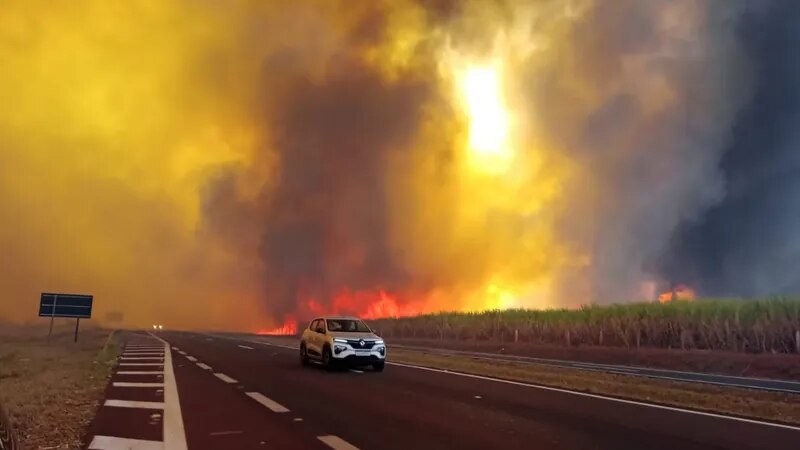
{"x":235,"y":164}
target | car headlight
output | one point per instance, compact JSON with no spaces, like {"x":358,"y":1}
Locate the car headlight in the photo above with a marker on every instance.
{"x":343,"y":341}
{"x":379,"y":342}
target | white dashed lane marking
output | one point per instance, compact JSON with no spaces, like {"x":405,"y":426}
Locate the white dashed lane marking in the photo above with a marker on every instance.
{"x":268,"y":402}
{"x":204,"y":366}
{"x":336,"y":443}
{"x":117,"y":443}
{"x":139,"y":372}
{"x":225,"y":378}
{"x":134,"y":404}
{"x":191,"y":358}
{"x":138,"y":385}
{"x":245,"y":347}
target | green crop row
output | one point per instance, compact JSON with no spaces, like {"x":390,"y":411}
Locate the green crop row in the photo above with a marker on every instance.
{"x":761,"y":325}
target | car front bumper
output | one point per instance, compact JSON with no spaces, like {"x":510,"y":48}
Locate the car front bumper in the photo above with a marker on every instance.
{"x":349,"y":355}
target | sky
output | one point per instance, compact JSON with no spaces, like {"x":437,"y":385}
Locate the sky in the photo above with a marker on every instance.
{"x":240,"y":164}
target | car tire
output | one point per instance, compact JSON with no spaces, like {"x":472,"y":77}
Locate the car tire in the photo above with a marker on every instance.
{"x":327,"y":358}
{"x":303,"y":355}
{"x":378,"y":367}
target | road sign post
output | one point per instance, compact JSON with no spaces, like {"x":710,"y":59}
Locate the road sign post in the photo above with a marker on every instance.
{"x":52,"y":316}
{"x":65,"y":305}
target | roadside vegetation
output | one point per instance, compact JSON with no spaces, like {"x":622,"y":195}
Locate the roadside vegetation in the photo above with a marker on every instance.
{"x":51,"y":390}
{"x":770,"y":325}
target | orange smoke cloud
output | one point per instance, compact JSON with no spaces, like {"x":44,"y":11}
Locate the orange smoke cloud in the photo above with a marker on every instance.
{"x":234,"y":164}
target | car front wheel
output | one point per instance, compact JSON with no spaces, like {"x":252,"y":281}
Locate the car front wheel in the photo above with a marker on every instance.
{"x":303,"y":355}
{"x":327,"y":359}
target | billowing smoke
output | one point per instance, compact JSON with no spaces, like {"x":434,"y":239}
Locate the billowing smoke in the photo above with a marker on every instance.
{"x":231,"y":164}
{"x":749,"y":243}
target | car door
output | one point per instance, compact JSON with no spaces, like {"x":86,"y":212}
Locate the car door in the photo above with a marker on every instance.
{"x":320,"y":335}
{"x":311,"y":337}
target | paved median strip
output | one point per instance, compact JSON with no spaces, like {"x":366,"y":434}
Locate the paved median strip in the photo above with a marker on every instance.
{"x":268,"y":402}
{"x":225,"y":378}
{"x":336,"y":443}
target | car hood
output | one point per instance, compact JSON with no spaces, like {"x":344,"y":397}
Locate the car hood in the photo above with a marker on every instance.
{"x":345,"y":335}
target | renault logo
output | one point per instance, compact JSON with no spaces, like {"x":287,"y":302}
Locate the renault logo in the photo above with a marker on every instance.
{"x":361,"y":342}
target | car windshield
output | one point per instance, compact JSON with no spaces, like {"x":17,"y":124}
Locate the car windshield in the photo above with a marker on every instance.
{"x":348,"y":326}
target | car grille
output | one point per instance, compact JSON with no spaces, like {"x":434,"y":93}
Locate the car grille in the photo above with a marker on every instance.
{"x":355,"y":344}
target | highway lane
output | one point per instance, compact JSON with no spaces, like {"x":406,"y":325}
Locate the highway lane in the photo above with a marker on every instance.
{"x":407,"y":407}
{"x":792,"y":387}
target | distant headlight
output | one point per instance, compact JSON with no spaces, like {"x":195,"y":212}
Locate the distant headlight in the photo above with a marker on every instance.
{"x":161,"y":327}
{"x":344,"y":341}
{"x":155,"y":327}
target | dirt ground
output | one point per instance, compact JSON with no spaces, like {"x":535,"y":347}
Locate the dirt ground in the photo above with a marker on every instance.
{"x":777,"y":366}
{"x":51,"y":390}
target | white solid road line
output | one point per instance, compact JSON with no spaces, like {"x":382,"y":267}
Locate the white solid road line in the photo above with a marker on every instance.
{"x":268,"y":402}
{"x":147,"y":353}
{"x":336,"y":443}
{"x":203,"y":366}
{"x":156,"y":347}
{"x":117,"y":443}
{"x":602,"y":397}
{"x":130,"y":384}
{"x":174,"y":432}
{"x":134,"y":404}
{"x":140,"y":372}
{"x":191,"y":358}
{"x":245,"y":347}
{"x":140,"y":357}
{"x":225,"y":378}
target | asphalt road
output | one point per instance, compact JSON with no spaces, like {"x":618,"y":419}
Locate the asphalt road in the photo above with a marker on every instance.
{"x":693,"y":377}
{"x":265,"y":399}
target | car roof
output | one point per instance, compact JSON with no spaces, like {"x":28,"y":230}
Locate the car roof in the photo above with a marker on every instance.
{"x":339,"y":318}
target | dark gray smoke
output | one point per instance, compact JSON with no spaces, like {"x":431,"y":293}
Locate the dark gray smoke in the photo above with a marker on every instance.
{"x":749,"y":244}
{"x":322,"y":225}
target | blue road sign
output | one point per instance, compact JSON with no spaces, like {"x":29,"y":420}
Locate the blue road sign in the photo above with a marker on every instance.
{"x":66,"y":305}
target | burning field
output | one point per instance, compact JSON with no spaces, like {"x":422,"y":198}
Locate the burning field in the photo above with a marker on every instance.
{"x":247,"y":165}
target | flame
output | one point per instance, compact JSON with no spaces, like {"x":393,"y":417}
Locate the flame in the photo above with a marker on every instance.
{"x":287,"y":329}
{"x":679,"y":292}
{"x":481,"y":91}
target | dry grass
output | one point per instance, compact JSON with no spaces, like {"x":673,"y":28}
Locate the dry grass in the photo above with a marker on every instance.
{"x":52,"y":390}
{"x":740,"y":402}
